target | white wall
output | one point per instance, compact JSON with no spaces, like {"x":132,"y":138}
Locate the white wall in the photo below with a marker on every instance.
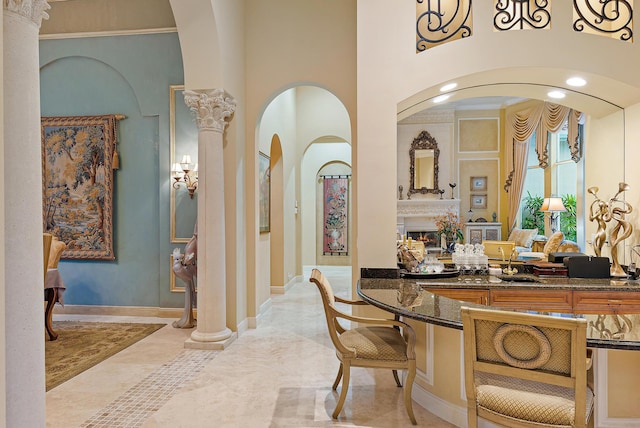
{"x":279,"y":119}
{"x":289,"y":44}
{"x":393,"y":77}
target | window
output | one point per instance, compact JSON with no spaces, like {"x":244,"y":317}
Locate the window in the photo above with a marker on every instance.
{"x":560,"y":178}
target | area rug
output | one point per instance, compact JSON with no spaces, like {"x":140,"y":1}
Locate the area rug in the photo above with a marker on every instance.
{"x":82,"y":345}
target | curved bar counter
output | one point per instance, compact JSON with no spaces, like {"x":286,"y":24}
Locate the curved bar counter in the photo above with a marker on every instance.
{"x":609,"y":325}
{"x":611,"y":308}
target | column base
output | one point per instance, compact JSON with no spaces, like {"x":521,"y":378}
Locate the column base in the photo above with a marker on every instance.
{"x":208,"y":341}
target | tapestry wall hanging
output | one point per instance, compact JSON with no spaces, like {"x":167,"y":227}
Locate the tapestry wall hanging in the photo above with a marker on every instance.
{"x":78,"y":158}
{"x":336,"y":196}
{"x":264,"y":183}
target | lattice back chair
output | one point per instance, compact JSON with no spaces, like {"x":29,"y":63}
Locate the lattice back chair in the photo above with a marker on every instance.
{"x":378,"y":343}
{"x":526,"y":370}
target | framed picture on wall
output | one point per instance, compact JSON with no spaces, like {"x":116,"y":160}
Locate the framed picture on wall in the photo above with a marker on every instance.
{"x":479,"y":183}
{"x":264,"y":183}
{"x":78,"y":159}
{"x":478,"y":201}
{"x":475,"y":236}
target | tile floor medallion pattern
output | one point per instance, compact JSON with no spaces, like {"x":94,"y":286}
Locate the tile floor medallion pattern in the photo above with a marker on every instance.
{"x":135,"y":406}
{"x":278,"y":375}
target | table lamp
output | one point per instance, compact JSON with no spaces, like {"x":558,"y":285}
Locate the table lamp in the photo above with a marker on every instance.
{"x":554,"y":207}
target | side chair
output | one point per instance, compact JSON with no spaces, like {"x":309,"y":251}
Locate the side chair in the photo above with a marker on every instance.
{"x":375,"y":343}
{"x":526,"y":370}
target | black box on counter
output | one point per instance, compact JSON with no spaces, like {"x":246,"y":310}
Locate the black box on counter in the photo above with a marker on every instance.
{"x":588,"y":267}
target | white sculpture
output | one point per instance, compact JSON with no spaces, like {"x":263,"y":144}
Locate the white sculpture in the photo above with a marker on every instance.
{"x":185,"y":268}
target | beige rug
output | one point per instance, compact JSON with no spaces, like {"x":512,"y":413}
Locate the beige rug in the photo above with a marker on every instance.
{"x":82,"y":345}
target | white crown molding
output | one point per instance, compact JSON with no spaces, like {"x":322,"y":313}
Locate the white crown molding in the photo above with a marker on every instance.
{"x":61,"y":36}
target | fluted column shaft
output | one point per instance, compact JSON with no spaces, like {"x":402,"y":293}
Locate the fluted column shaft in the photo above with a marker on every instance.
{"x":211,"y":108}
{"x":24,"y":270}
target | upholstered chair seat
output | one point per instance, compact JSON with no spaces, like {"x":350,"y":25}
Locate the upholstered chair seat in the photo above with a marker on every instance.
{"x":376,"y":343}
{"x":532,"y":402}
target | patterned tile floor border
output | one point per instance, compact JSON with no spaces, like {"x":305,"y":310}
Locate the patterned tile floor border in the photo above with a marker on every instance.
{"x":133,"y":407}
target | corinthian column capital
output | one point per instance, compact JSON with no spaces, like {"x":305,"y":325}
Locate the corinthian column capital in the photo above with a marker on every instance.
{"x":211,"y":108}
{"x":30,"y":9}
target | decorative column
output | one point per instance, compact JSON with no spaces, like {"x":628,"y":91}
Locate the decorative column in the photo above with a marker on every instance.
{"x":22,"y":195}
{"x":211,"y":108}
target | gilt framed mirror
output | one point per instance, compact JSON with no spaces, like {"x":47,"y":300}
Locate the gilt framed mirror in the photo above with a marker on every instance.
{"x":423,"y":164}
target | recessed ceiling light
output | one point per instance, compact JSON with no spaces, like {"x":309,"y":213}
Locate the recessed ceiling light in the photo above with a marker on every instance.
{"x":556,"y":94}
{"x":448,"y":87}
{"x":576,"y":81}
{"x":441,"y":98}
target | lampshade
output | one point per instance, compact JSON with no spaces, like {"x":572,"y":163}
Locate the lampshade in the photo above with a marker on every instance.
{"x":186,"y":164}
{"x":176,"y":170}
{"x":553,"y":204}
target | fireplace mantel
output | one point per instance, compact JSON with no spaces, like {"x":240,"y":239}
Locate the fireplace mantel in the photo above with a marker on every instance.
{"x":420,"y":214}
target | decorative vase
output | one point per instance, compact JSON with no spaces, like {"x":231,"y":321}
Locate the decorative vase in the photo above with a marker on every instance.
{"x":335,"y":236}
{"x":450,"y":244}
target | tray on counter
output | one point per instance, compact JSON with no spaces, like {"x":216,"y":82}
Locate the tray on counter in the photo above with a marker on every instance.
{"x":447,"y":273}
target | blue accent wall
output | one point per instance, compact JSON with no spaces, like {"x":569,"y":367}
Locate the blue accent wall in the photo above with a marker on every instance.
{"x":128,"y":75}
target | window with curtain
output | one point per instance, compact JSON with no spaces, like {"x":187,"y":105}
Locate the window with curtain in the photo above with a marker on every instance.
{"x":561,"y":176}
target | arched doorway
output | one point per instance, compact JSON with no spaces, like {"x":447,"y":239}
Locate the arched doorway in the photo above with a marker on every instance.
{"x":294,"y":120}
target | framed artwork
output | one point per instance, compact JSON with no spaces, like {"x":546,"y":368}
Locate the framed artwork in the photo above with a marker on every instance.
{"x":475,"y":236}
{"x":478,"y":201}
{"x":335,"y":197}
{"x":264,"y":183}
{"x":78,"y":158}
{"x":479,"y":183}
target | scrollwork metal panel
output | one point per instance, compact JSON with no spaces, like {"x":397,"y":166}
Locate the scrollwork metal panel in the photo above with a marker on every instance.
{"x":439,"y":22}
{"x":604,"y":17}
{"x":522,"y":15}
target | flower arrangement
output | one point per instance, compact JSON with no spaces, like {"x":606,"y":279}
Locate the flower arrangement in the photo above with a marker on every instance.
{"x":449,"y":225}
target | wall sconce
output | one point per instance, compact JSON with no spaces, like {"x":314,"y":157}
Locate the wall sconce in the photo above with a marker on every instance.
{"x":183,"y":173}
{"x":554,"y":206}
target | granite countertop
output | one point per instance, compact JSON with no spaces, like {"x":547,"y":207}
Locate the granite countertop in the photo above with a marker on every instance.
{"x":621,"y":331}
{"x":527,"y":281}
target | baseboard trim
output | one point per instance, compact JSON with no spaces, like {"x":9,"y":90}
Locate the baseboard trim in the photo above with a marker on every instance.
{"x":243,"y":326}
{"x":282,"y":289}
{"x":132,"y":311}
{"x":451,"y":413}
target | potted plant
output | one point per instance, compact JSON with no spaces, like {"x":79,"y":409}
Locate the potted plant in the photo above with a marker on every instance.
{"x":532,"y":217}
{"x":450,"y":227}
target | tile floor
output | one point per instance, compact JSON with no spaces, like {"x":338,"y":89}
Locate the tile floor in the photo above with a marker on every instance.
{"x":278,"y":375}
